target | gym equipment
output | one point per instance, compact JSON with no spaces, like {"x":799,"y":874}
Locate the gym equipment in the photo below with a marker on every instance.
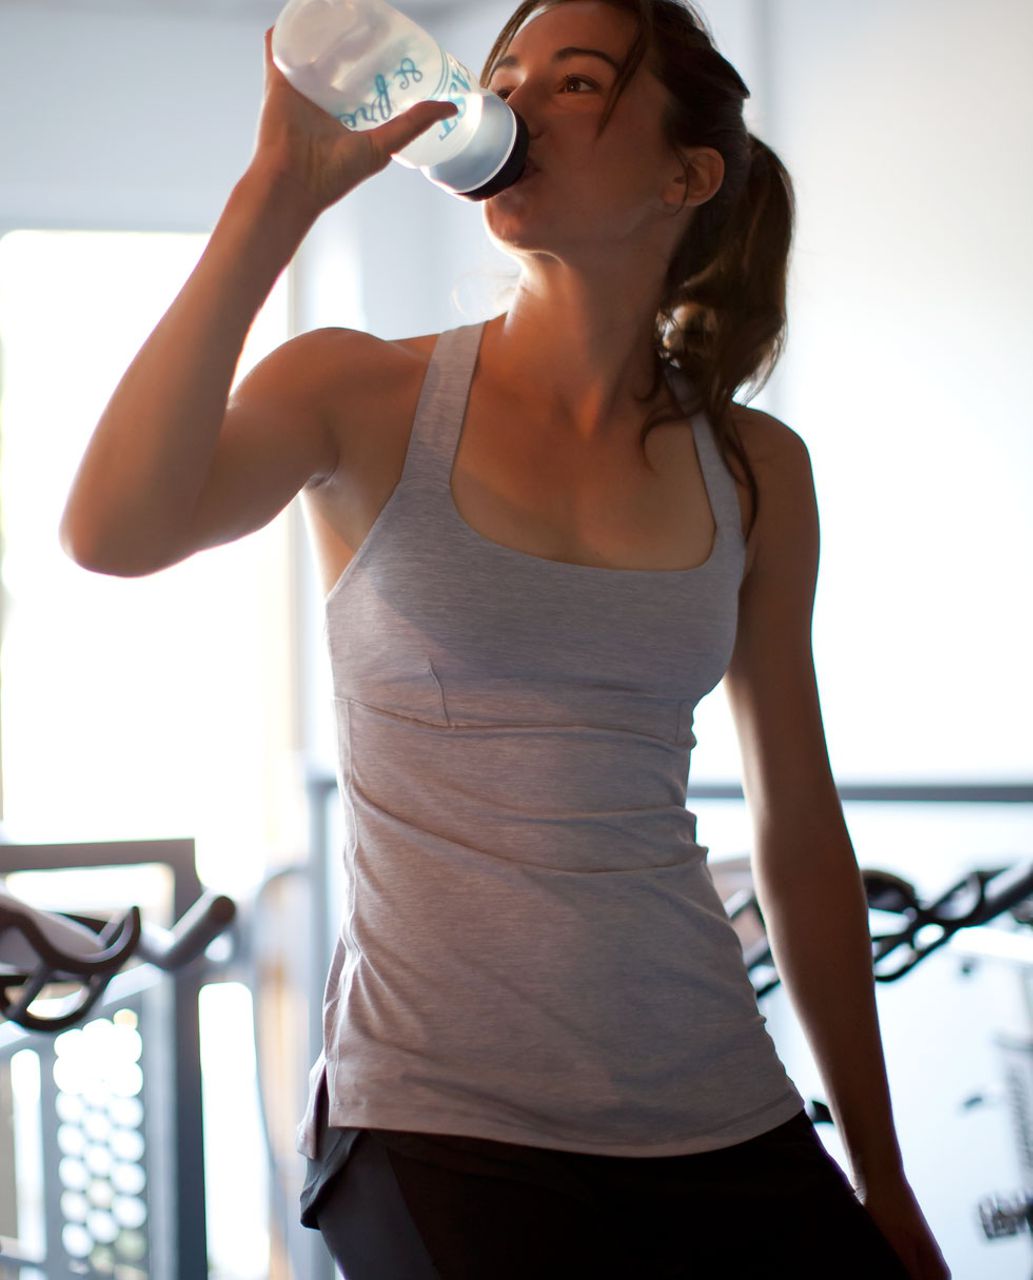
{"x":39,"y":949}
{"x":908,"y":932}
{"x":981,"y":895}
{"x":99,"y":1047}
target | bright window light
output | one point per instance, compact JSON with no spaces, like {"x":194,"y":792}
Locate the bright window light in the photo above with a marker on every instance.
{"x":131,"y":708}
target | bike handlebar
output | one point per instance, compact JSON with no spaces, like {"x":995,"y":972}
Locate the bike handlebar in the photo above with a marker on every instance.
{"x":39,"y":948}
{"x":976,"y":899}
{"x":210,"y":915}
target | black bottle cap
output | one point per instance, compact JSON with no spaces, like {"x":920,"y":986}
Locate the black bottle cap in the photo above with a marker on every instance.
{"x":510,"y":171}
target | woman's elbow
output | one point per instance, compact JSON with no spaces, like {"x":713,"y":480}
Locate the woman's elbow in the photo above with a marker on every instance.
{"x":89,"y":549}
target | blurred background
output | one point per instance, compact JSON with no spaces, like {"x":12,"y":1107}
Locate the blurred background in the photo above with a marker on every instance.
{"x":195,"y":704}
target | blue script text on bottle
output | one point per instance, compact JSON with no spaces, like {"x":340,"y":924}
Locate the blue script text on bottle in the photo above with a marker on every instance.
{"x":364,"y":62}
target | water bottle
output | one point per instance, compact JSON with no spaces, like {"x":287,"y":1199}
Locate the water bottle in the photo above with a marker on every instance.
{"x":364,"y":62}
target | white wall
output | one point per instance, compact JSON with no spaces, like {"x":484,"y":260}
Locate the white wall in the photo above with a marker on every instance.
{"x":129,"y":113}
{"x":906,"y":127}
{"x":116,"y":121}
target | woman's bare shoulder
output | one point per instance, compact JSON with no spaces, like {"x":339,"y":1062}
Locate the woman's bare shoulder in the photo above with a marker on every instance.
{"x":781,"y":467}
{"x":351,"y":351}
{"x":765,"y":437}
{"x":355,"y":376}
{"x":422,"y":345}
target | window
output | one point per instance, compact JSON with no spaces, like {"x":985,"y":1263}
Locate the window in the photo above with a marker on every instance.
{"x":145,"y":707}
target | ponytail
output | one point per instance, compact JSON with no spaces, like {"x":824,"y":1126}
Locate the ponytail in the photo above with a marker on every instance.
{"x":722,"y":320}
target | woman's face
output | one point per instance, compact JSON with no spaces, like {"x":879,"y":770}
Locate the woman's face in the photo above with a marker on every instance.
{"x":596,"y":193}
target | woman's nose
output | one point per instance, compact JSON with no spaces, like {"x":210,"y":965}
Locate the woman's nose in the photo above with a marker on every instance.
{"x":523,"y":100}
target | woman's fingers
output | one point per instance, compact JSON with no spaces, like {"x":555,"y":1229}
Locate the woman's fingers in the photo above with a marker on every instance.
{"x":309,"y":146}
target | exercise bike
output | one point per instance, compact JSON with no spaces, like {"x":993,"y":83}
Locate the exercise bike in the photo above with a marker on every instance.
{"x":905,"y":931}
{"x":117,"y":1211}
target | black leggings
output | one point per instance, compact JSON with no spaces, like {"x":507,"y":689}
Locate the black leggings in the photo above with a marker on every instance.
{"x":415,"y":1206}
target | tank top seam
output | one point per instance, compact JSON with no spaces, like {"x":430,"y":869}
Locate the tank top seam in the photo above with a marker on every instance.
{"x":441,"y":695}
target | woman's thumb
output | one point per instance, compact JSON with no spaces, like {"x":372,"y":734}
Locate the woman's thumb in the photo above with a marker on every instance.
{"x":396,"y":134}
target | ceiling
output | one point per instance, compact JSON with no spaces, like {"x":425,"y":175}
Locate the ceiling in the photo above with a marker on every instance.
{"x":266,"y":10}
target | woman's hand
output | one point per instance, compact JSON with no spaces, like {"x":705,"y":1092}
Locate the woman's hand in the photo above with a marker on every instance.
{"x":318,"y":156}
{"x":893,"y":1206}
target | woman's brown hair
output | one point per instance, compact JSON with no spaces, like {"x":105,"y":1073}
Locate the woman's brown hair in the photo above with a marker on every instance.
{"x":722,"y":316}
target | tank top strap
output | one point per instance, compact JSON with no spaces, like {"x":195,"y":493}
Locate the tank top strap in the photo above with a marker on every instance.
{"x":720,"y":483}
{"x":442,"y":405}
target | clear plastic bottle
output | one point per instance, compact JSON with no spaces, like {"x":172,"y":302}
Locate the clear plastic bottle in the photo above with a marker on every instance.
{"x":364,"y":62}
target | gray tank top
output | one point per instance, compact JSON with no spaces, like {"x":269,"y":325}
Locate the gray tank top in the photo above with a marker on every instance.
{"x":532,"y":948}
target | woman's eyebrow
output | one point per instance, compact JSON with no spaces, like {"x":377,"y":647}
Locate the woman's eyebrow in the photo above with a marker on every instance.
{"x":561,"y":55}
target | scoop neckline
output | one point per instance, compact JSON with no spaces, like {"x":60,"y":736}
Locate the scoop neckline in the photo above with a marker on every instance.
{"x":476,"y":536}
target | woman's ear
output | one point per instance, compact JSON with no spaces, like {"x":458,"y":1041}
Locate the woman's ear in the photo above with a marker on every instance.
{"x":698,"y":181}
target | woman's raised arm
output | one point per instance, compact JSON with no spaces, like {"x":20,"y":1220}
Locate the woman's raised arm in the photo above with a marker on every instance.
{"x":172,"y":465}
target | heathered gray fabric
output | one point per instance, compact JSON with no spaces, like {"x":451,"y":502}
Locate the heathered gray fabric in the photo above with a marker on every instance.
{"x":532,"y":948}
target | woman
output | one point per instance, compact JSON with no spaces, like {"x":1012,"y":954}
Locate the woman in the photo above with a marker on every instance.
{"x":543,"y":539}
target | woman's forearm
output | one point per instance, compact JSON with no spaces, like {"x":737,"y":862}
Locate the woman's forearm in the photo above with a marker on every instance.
{"x":818,"y":931}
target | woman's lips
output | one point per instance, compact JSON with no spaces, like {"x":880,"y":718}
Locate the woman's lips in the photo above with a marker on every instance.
{"x":530,"y":169}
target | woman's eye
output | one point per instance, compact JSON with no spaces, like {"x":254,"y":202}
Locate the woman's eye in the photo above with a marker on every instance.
{"x":504,"y":93}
